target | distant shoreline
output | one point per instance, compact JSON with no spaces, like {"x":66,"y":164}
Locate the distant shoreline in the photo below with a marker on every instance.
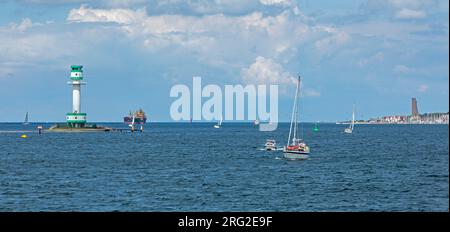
{"x":237,"y":122}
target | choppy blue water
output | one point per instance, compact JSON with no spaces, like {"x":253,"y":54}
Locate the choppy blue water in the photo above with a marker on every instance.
{"x":194,"y":167}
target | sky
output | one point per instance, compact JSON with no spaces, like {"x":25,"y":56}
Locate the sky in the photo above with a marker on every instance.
{"x":376,"y":54}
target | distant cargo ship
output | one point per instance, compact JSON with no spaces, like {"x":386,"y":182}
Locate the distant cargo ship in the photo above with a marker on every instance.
{"x":137,"y":117}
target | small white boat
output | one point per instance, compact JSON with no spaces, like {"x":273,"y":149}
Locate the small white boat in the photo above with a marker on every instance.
{"x":256,"y":122}
{"x":349,"y":130}
{"x":296,"y":149}
{"x":133,"y":124}
{"x":271,"y":145}
{"x":219,"y":124}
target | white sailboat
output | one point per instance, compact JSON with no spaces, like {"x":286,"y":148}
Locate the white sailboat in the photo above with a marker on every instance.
{"x":349,"y":130}
{"x":25,"y":122}
{"x":295,"y":148}
{"x":132,"y":124}
{"x":256,"y":122}
{"x":219,"y":124}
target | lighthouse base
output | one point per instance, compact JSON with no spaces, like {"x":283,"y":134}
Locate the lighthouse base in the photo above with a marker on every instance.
{"x":84,"y":128}
{"x":76,"y":120}
{"x":76,"y":125}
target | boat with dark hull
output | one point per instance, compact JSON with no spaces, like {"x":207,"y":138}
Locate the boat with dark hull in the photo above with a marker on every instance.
{"x":137,"y":117}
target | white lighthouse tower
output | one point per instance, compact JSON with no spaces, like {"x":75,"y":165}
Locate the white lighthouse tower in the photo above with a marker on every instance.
{"x":76,"y":118}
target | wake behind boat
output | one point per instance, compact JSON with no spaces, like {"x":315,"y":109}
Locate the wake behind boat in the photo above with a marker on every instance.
{"x":296,"y":149}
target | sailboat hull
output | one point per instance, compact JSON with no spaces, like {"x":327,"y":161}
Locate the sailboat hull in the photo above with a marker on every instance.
{"x":296,"y":155}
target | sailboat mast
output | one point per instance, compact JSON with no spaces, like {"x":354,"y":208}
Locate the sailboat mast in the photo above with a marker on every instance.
{"x":296,"y":112}
{"x":293,"y":112}
{"x":353,"y":117}
{"x":298,"y":107}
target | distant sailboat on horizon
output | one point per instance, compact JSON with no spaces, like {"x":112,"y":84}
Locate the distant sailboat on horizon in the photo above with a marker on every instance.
{"x":25,"y":122}
{"x":256,"y":122}
{"x":219,"y":124}
{"x":349,"y":130}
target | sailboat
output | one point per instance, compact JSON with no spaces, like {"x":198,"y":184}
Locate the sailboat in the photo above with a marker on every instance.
{"x":132,"y":124}
{"x":25,"y":122}
{"x":295,"y":148}
{"x":349,"y":130}
{"x":219,"y":123}
{"x":256,"y":122}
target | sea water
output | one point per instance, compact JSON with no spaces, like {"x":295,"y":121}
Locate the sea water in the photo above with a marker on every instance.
{"x":195,"y":167}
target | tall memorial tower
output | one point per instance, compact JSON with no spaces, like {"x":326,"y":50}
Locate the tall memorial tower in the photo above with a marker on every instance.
{"x":415,"y":111}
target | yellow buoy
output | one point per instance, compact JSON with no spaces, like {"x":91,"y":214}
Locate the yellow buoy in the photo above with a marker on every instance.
{"x":24,"y":136}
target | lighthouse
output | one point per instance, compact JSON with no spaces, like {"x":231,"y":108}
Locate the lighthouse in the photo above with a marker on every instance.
{"x":76,"y":118}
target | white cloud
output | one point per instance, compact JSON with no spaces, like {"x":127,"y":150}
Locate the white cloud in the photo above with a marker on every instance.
{"x":406,"y":9}
{"x":423,"y":88}
{"x":377,"y":57}
{"x":420,"y":70}
{"x":124,"y":3}
{"x":333,"y":41}
{"x":311,"y":93}
{"x":107,"y":3}
{"x":412,"y":4}
{"x":266,"y":71}
{"x":28,"y":47}
{"x":402,"y":69}
{"x":121,"y":16}
{"x":276,"y":2}
{"x":59,"y":2}
{"x":25,"y":24}
{"x":218,"y":38}
{"x":389,"y":30}
{"x":46,"y":46}
{"x":410,"y":14}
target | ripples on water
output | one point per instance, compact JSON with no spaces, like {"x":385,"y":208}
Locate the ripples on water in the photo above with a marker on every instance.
{"x":194,"y":167}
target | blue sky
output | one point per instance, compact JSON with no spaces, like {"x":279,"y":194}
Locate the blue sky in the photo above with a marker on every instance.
{"x":377,"y":54}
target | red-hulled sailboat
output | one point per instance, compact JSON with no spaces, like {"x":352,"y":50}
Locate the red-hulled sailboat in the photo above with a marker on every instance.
{"x":295,"y":148}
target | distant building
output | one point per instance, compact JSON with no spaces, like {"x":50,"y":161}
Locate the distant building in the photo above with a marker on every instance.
{"x":394,"y":119}
{"x":414,"y":118}
{"x":415,"y":111}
